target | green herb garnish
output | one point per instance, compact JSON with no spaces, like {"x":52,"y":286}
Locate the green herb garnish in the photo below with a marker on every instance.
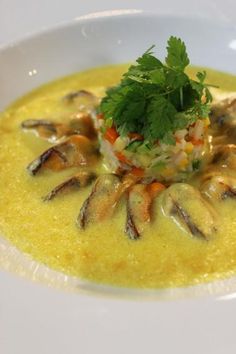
{"x":133,"y":146}
{"x":196,"y":164}
{"x":155,"y":99}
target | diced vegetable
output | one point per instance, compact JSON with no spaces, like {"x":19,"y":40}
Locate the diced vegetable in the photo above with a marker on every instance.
{"x":111,"y":135}
{"x":139,"y":172}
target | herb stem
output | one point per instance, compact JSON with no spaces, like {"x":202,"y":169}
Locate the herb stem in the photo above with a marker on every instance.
{"x":181,"y":97}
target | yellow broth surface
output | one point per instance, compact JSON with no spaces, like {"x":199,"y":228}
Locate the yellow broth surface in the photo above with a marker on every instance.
{"x":164,"y":256}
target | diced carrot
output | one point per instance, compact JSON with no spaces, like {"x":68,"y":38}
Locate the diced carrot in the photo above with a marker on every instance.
{"x":178,"y":140}
{"x":197,"y":142}
{"x":135,"y":136}
{"x":111,"y":135}
{"x":138,"y":172}
{"x":155,"y":188}
{"x":100,"y":116}
{"x":121,"y":157}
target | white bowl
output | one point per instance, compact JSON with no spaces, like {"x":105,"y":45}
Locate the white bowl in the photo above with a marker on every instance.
{"x":91,"y":42}
{"x":42,"y":320}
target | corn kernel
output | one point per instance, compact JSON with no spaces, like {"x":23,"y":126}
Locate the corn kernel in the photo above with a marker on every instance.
{"x":207,"y":122}
{"x":183,"y":163}
{"x":188,"y":148}
{"x":168,"y":172}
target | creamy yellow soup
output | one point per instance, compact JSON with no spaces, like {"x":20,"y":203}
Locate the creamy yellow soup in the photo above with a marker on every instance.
{"x":165,"y":255}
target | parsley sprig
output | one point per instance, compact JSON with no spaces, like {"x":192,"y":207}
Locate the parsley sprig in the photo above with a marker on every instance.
{"x":155,"y":99}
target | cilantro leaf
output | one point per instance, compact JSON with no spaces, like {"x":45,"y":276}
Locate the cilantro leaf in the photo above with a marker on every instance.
{"x":176,"y":79}
{"x":160,"y":116}
{"x":126,"y":105}
{"x":177,"y":56}
{"x":201,"y":76}
{"x":148,"y":62}
{"x":168,"y":139}
{"x":158,"y":77}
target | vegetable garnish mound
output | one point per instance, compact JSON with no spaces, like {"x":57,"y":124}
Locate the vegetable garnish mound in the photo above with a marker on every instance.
{"x":155,"y":121}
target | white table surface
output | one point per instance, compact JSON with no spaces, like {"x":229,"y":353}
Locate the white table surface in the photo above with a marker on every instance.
{"x":18,"y":18}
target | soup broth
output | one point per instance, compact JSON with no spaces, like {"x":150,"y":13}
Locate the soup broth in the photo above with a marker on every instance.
{"x":165,"y":255}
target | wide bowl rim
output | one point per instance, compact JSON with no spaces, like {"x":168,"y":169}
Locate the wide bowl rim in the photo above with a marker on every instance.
{"x":110,"y":15}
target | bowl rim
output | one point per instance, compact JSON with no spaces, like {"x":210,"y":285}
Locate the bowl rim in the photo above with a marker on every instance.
{"x":101,"y":16}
